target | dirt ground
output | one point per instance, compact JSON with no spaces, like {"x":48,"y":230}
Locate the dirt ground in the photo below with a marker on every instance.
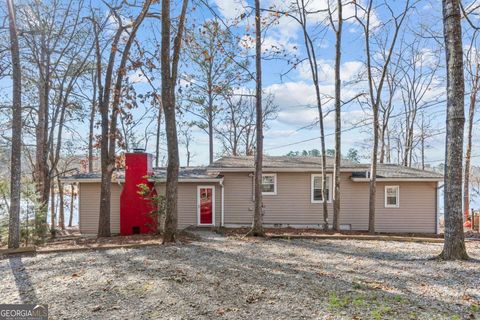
{"x":229,"y":278}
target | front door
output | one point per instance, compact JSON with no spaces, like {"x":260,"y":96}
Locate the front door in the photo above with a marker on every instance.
{"x":206,"y":205}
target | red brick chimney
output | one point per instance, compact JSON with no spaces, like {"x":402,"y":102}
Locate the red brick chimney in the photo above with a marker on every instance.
{"x":134,"y":209}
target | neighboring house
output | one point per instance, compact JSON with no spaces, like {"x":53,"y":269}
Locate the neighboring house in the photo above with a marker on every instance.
{"x":222,"y":195}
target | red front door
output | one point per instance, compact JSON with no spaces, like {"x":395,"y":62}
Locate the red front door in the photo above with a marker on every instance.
{"x":206,"y":205}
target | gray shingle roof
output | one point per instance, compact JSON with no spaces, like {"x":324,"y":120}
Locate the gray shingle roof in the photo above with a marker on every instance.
{"x":276,"y":162}
{"x":387,"y":171}
{"x":391,"y":171}
{"x":159,"y":174}
{"x":194,"y":173}
{"x":85,"y":176}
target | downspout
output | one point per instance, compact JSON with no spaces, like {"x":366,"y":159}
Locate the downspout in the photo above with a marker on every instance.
{"x":436,"y":209}
{"x":252,"y":175}
{"x":437,"y":199}
{"x":223,"y":204}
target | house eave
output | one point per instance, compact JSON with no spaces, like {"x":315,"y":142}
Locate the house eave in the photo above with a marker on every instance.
{"x":270,"y":169}
{"x":398,"y":179}
{"x":206,"y":180}
{"x":92,"y":180}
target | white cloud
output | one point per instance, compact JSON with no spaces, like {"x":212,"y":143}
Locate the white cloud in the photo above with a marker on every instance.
{"x":292,"y":94}
{"x":231,"y":9}
{"x":137,"y":77}
{"x":321,"y":8}
{"x":349,"y":70}
{"x":279,"y":133}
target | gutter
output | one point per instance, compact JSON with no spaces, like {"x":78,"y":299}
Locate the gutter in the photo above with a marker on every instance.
{"x":274,"y":169}
{"x":91,"y":180}
{"x":219,"y":180}
{"x":222,"y":222}
{"x":437,"y":200}
{"x":398,"y":179}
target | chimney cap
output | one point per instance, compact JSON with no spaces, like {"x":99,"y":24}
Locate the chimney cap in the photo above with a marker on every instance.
{"x":138,"y":150}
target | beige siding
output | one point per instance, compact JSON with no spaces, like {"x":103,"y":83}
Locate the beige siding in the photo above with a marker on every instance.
{"x":416,"y":212}
{"x":292,"y":204}
{"x":187,"y":202}
{"x":89,"y":204}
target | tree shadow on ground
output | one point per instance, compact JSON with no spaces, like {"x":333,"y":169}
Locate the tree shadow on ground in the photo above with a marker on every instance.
{"x":253,"y":271}
{"x":23,"y":281}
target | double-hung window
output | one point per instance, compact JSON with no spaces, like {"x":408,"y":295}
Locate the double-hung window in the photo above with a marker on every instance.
{"x":269,"y":184}
{"x":316,"y":192}
{"x":392,"y":196}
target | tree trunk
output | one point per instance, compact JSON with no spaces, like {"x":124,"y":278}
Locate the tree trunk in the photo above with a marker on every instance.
{"x":389,"y":149}
{"x":105,"y":194}
{"x":169,"y":79}
{"x":375,"y":96}
{"x":92,"y":125}
{"x":52,"y":210}
{"x":257,"y":228}
{"x":168,"y":104}
{"x":314,"y":70}
{"x":382,"y":143}
{"x":41,"y":151}
{"x":422,"y":141}
{"x":210,"y":127}
{"x":157,"y":141}
{"x":72,"y":197}
{"x":454,"y":244}
{"x":61,"y":208}
{"x":16,"y":149}
{"x":109,"y":131}
{"x":107,"y":171}
{"x":373,"y":173}
{"x":468,"y":152}
{"x":338,"y":122}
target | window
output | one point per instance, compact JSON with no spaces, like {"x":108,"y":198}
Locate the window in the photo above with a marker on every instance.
{"x":269,"y":184}
{"x":317,"y":194}
{"x":392,"y":196}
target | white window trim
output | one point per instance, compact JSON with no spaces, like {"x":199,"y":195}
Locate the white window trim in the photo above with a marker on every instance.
{"x":398,"y":197}
{"x":330,"y":187}
{"x":213,"y":205}
{"x":274,"y":193}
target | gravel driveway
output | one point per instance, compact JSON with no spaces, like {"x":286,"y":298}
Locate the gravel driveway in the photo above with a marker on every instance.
{"x":251,"y":279}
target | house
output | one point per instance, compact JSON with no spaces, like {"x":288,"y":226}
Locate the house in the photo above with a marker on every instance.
{"x":222,"y":195}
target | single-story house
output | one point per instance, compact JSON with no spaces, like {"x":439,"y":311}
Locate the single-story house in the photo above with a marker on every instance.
{"x":222,"y":195}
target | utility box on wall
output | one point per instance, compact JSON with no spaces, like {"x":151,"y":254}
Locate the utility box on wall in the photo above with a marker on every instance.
{"x":135,"y":211}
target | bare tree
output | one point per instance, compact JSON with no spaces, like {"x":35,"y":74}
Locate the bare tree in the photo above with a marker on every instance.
{"x":363,"y":15}
{"x":16,"y":152}
{"x":56,"y":40}
{"x":169,"y":64}
{"x":238,"y":130}
{"x":257,"y":227}
{"x":109,"y":120}
{"x":472,"y":67}
{"x":338,"y":111}
{"x":91,"y":124}
{"x":186,"y":140}
{"x":454,"y":244}
{"x":72,"y":198}
{"x":387,"y":105}
{"x":210,"y":49}
{"x":418,"y":71}
{"x":300,"y":12}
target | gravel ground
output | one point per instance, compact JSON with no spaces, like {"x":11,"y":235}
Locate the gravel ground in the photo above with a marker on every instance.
{"x":249,"y":279}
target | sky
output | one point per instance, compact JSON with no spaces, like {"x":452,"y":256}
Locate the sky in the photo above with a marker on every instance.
{"x":294,"y":93}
